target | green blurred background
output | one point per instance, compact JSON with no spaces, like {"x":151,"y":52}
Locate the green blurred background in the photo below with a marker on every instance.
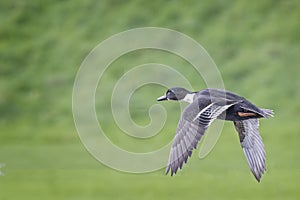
{"x":255,"y":44}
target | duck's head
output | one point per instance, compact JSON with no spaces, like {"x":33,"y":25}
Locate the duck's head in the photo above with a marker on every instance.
{"x":177,"y":94}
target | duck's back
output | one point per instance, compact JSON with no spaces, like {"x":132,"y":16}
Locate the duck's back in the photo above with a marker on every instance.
{"x":243,"y":105}
{"x":217,"y":93}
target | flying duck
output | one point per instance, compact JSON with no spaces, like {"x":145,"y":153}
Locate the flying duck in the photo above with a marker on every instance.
{"x":206,"y":106}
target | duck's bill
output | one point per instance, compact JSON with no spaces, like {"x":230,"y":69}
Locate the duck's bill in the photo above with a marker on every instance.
{"x":162,"y":98}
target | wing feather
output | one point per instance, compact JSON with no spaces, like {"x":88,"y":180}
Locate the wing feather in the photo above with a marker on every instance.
{"x":252,"y":145}
{"x":194,"y":121}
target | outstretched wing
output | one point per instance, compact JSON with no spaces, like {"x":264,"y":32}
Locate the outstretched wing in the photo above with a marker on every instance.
{"x":252,"y":145}
{"x":194,"y":121}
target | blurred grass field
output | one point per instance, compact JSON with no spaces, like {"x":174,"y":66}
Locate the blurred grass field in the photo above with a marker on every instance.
{"x":256,"y":46}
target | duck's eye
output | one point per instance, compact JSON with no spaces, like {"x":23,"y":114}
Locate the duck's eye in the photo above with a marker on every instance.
{"x":170,"y":94}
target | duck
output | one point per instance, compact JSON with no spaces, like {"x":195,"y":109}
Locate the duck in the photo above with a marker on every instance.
{"x":204,"y":107}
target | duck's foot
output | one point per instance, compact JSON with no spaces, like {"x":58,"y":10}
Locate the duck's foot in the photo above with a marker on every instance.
{"x":244,"y":114}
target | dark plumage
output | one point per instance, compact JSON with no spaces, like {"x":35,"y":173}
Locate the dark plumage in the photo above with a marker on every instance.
{"x":206,"y":106}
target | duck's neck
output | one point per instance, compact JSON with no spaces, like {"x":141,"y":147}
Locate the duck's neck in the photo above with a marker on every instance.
{"x":189,"y":98}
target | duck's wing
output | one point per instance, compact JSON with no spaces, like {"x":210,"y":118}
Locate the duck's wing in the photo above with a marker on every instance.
{"x":194,"y":121}
{"x":252,"y":145}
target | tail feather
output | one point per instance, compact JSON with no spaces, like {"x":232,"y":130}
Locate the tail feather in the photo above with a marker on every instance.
{"x":267,"y":112}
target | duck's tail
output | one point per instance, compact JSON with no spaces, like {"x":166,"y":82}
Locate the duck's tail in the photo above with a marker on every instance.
{"x":267,"y":113}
